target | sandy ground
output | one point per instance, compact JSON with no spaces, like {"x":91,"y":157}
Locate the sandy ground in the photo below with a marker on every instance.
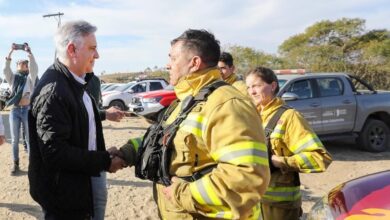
{"x":131,"y":198}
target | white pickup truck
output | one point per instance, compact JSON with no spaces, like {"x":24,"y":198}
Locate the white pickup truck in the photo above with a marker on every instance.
{"x":339,"y":105}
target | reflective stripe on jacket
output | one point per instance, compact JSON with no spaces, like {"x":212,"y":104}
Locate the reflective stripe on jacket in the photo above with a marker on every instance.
{"x":302,"y":151}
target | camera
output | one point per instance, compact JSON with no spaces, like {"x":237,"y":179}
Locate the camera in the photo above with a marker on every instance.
{"x":19,"y":46}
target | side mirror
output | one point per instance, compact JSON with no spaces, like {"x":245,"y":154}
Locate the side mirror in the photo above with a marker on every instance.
{"x":289,"y":96}
{"x":131,"y":91}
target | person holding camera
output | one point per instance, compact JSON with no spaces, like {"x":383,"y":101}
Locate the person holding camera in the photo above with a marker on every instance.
{"x":22,"y":85}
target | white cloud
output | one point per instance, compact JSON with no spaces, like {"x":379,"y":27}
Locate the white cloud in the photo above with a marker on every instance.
{"x":28,"y":25}
{"x":133,"y":35}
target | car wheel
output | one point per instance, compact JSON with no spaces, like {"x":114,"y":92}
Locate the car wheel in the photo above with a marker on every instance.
{"x":375,"y":136}
{"x":118,"y":104}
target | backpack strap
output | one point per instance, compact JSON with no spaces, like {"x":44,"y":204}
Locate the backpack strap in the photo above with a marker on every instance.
{"x":268,"y":131}
{"x":207,"y":90}
{"x":275,"y":118}
{"x":170,"y":132}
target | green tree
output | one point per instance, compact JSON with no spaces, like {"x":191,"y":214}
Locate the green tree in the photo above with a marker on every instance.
{"x":341,"y":46}
{"x":246,"y":58}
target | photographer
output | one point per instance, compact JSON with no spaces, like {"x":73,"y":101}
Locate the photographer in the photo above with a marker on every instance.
{"x":22,"y":86}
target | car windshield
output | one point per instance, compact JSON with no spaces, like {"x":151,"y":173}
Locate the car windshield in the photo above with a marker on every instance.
{"x":111,"y":87}
{"x":281,"y":82}
{"x":124,"y":87}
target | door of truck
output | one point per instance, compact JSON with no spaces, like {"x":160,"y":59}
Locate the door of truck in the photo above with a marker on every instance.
{"x":338,"y":105}
{"x":308,"y":104}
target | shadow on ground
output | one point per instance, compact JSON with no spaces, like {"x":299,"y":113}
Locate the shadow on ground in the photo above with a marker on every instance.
{"x":124,"y":128}
{"x":34,"y":211}
{"x":349,"y":151}
{"x":129,"y":183}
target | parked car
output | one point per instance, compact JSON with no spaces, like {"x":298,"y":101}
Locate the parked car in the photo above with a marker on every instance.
{"x":121,"y":97}
{"x":105,"y":85}
{"x":363,"y":198}
{"x":339,"y":105}
{"x":110,"y":86}
{"x":5,"y":92}
{"x":148,"y":104}
{"x":336,"y":105}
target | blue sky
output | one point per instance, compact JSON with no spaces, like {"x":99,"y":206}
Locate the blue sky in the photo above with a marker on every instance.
{"x":133,"y":35}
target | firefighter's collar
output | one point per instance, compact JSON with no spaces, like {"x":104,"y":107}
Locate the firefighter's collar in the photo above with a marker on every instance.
{"x":192,"y":83}
{"x":273,"y":105}
{"x":231,"y":79}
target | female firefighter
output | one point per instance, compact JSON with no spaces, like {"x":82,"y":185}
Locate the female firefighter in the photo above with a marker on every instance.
{"x":292,"y":144}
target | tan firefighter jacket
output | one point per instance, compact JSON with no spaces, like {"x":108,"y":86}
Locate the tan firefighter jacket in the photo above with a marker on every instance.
{"x":302,"y":151}
{"x":238,"y":84}
{"x":224,"y":130}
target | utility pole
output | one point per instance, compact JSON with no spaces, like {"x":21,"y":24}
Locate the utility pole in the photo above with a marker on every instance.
{"x":59,"y":14}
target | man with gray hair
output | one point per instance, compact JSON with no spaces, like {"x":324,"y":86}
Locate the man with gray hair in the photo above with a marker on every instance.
{"x":68,"y":156}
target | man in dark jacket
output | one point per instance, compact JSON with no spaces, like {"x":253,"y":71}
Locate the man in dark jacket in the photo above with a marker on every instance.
{"x":67,"y":144}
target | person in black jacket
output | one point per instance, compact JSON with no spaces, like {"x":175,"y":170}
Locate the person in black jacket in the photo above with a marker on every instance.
{"x":67,"y":144}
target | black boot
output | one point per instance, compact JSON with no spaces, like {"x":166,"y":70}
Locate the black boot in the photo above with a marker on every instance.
{"x":15,"y":168}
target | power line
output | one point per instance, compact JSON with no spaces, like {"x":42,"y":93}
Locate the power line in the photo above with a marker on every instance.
{"x":59,"y":14}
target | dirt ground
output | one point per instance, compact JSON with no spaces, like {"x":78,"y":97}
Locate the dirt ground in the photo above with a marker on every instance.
{"x":131,"y":198}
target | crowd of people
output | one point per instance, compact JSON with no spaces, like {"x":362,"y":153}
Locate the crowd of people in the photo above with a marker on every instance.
{"x":225,"y":149}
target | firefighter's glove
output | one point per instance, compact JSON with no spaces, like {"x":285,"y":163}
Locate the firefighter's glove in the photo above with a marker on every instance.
{"x":128,"y":153}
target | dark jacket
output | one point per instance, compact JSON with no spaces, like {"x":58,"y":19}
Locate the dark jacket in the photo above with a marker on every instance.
{"x":61,"y":165}
{"x":93,"y":87}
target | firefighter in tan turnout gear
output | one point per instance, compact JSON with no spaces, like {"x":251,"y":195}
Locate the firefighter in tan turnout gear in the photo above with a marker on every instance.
{"x":226,"y":66}
{"x":218,"y":165}
{"x":295,"y":147}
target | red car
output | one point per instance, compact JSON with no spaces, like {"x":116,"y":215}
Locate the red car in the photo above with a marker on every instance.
{"x":364,"y":198}
{"x":149,"y":104}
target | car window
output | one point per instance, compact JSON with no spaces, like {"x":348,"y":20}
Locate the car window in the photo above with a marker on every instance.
{"x":330,"y":86}
{"x":281,"y":82}
{"x":302,"y":89}
{"x":155,"y":86}
{"x":139,"y":88}
{"x":125,"y":87}
{"x":112,"y":87}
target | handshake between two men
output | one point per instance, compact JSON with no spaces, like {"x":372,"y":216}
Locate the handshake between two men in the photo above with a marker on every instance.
{"x":117,"y":160}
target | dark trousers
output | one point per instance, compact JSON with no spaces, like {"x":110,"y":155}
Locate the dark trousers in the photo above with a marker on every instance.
{"x":277,"y":213}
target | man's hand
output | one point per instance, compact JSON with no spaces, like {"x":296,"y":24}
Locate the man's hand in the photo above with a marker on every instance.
{"x":113,"y":151}
{"x":2,"y":139}
{"x":114,"y":114}
{"x":117,"y":163}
